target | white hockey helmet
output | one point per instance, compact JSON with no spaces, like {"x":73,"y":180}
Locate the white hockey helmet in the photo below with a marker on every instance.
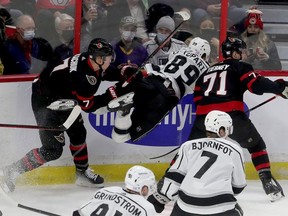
{"x":200,"y":47}
{"x":137,"y":177}
{"x":218,"y":119}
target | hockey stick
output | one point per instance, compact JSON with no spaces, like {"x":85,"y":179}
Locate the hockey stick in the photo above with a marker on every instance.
{"x":185,"y":16}
{"x":14,"y":203}
{"x":247,"y":111}
{"x":69,"y":121}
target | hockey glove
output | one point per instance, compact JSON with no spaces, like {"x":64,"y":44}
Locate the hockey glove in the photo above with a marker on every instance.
{"x":158,"y":201}
{"x":62,"y":105}
{"x":284,"y":92}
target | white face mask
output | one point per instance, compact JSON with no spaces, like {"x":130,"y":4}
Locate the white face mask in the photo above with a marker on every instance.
{"x":28,"y":35}
{"x":161,"y":37}
{"x":128,"y":35}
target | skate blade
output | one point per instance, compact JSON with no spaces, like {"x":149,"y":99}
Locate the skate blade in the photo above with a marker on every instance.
{"x":121,"y":102}
{"x":89,"y":185}
{"x":275,"y":197}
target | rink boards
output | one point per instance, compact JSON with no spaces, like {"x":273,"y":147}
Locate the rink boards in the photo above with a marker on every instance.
{"x":113,"y":159}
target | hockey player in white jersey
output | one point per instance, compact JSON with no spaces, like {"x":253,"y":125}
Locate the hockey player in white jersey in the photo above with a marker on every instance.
{"x":158,"y":93}
{"x":127,"y":201}
{"x":206,"y":175}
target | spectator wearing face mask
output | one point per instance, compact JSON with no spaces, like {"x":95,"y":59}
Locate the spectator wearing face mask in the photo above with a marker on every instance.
{"x":128,"y":49}
{"x":164,"y":28}
{"x":208,"y":32}
{"x":24,"y":54}
{"x":262,"y":52}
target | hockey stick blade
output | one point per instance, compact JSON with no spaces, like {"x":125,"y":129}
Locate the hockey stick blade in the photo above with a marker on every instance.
{"x":65,"y":126}
{"x":184,"y":14}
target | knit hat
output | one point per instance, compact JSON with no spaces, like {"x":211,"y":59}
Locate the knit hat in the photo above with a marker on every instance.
{"x":254,"y":18}
{"x":166,"y":22}
{"x":128,"y":20}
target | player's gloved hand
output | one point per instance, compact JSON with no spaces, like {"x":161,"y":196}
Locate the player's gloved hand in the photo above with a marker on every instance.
{"x":284,"y":92}
{"x":158,"y":200}
{"x":128,"y":73}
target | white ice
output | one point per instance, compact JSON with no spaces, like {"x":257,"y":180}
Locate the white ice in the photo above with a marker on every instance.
{"x":64,"y":199}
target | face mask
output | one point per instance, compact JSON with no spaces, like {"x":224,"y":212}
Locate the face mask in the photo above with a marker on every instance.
{"x":28,"y":35}
{"x":128,"y":35}
{"x":67,"y":35}
{"x":207,"y":34}
{"x":161,"y":37}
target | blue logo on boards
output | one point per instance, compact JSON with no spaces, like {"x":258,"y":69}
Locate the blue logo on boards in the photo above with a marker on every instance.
{"x":173,"y":130}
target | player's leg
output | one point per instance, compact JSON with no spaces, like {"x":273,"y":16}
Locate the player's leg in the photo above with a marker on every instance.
{"x":78,"y":147}
{"x":248,"y":137}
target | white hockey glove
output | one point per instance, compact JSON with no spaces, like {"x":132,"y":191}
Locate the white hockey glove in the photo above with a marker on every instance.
{"x":62,"y":105}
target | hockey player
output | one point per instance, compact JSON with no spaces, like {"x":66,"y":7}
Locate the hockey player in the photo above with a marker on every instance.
{"x":77,"y":78}
{"x":206,"y":175}
{"x":130,"y":200}
{"x":222,"y":87}
{"x":159,"y":92}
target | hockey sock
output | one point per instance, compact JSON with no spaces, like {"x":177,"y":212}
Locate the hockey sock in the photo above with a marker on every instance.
{"x":80,"y":154}
{"x":30,"y":161}
{"x":261,"y":161}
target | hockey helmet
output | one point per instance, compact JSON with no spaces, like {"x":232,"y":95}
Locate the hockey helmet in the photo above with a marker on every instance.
{"x":218,"y":119}
{"x":201,"y":47}
{"x":137,"y":177}
{"x":232,"y":44}
{"x":100,"y":47}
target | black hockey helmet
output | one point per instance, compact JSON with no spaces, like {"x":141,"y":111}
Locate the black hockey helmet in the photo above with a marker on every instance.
{"x":100,"y":47}
{"x":232,"y":44}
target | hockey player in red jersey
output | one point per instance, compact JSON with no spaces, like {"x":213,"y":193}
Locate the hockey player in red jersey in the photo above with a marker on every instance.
{"x":222,"y":87}
{"x":76,"y":78}
{"x":206,"y":175}
{"x":128,"y":201}
{"x":159,"y":92}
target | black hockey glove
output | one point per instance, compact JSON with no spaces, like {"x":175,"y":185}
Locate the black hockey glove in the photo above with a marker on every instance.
{"x":129,"y":73}
{"x":284,"y":92}
{"x":159,"y":201}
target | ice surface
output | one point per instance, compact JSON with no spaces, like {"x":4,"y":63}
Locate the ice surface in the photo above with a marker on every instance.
{"x":64,"y":199}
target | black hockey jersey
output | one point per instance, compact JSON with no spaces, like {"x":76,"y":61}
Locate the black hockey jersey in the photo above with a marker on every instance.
{"x":223,"y":85}
{"x":73,"y":79}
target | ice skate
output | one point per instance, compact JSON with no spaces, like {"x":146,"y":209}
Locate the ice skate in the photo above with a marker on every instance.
{"x":8,"y":180}
{"x":271,"y":187}
{"x":87,"y":178}
{"x":124,"y":103}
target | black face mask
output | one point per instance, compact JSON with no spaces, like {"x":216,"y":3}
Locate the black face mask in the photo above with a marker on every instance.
{"x":207,"y":34}
{"x":68,"y":35}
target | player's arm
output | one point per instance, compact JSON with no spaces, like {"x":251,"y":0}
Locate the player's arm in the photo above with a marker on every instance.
{"x":238,"y":176}
{"x":259,"y":85}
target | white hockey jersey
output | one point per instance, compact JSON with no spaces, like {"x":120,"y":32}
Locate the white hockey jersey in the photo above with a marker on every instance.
{"x":115,"y":201}
{"x":161,"y":57}
{"x":205,"y":176}
{"x":182,"y":70}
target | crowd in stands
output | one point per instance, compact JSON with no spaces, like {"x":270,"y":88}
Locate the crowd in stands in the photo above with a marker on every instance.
{"x":129,"y":25}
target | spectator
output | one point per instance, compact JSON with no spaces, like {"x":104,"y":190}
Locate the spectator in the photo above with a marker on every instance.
{"x":135,"y":8}
{"x":63,"y":44}
{"x":205,"y":186}
{"x":159,"y":92}
{"x":14,"y":13}
{"x":164,"y":28}
{"x":155,"y":12}
{"x":45,"y":14}
{"x":207,"y":31}
{"x":77,"y":78}
{"x":129,"y":51}
{"x":213,"y":8}
{"x":262,"y":52}
{"x":24,"y":53}
{"x":211,"y":92}
{"x":139,"y":183}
